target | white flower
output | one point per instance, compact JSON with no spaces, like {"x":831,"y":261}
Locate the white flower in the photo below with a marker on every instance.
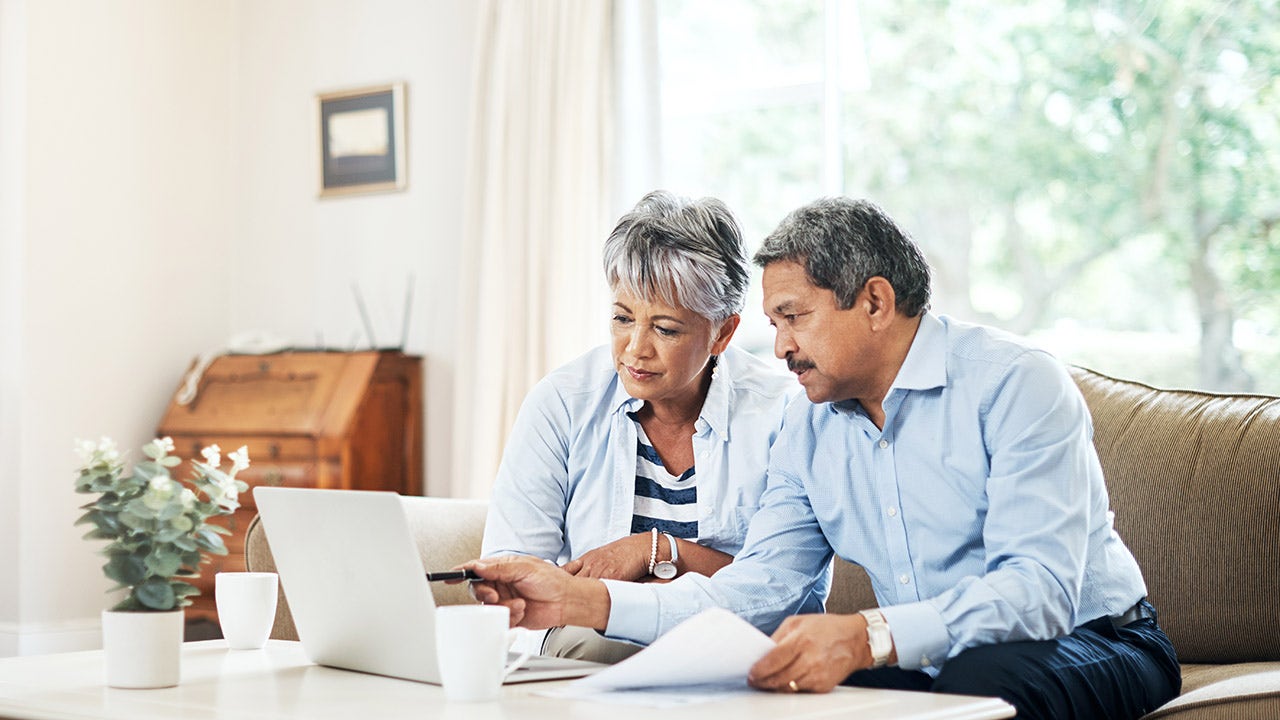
{"x":106,"y":449}
{"x":187,"y":498}
{"x":159,"y":447}
{"x":159,"y":492}
{"x":86,"y":449}
{"x":212,"y":455}
{"x":224,"y":492}
{"x":239,"y":459}
{"x":103,"y":452}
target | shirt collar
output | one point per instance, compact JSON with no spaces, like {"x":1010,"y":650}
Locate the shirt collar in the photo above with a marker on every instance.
{"x":925,"y":366}
{"x":715,"y":409}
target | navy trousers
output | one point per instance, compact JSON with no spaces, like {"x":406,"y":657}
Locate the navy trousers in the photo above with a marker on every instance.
{"x":1098,"y":672}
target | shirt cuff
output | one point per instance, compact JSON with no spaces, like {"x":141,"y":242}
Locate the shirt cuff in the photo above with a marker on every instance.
{"x":919,"y":635}
{"x":633,"y":612}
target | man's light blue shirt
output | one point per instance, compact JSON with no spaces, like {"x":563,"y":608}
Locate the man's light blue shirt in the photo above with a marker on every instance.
{"x":979,"y":511}
{"x":566,"y":484}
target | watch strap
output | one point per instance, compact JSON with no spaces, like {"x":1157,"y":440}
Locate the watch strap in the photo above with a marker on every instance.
{"x":879,"y":638}
{"x":675,"y":552}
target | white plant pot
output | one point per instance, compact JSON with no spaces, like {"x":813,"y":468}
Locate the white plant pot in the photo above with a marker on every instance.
{"x":142,"y":649}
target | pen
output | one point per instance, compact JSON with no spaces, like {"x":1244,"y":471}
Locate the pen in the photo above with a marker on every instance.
{"x":453,"y":575}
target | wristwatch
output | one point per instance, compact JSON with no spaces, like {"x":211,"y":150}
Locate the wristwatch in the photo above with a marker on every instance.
{"x":879,"y":639}
{"x":666,"y":569}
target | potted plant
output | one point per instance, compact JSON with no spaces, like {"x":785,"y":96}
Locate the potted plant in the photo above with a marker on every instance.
{"x":158,"y":533}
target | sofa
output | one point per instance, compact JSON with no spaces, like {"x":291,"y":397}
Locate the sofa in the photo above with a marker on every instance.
{"x":1194,"y":480}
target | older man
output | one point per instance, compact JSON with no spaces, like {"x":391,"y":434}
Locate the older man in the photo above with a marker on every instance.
{"x":952,"y":461}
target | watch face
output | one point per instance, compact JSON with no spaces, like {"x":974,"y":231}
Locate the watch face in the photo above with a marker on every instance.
{"x":664,"y":570}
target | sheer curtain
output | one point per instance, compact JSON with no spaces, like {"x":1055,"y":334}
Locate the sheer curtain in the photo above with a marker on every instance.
{"x":539,"y":205}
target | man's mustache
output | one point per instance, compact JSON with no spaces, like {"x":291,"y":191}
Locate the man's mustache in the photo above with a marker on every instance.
{"x":799,"y":366}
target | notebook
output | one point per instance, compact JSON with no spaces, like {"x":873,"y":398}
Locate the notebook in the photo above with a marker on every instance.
{"x":356,"y":586}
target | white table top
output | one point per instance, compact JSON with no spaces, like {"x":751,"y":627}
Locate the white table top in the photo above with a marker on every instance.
{"x":278,"y":682}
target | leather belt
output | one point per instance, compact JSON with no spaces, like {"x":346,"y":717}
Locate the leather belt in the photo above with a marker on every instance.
{"x":1140,"y":611}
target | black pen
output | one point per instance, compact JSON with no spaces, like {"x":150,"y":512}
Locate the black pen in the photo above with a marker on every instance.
{"x":453,"y":575}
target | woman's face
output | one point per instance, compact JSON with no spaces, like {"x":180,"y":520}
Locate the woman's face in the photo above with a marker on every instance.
{"x":660,"y":351}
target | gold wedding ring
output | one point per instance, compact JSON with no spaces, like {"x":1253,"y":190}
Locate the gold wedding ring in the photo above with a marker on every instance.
{"x":794,"y":687}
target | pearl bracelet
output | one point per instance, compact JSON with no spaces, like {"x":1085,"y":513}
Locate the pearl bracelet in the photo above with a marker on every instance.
{"x":653,"y":551}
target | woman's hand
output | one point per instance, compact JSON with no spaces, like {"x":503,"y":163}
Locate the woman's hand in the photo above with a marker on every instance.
{"x":623,"y":559}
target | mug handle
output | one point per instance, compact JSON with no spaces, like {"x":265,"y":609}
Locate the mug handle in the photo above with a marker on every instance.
{"x":512,"y":635}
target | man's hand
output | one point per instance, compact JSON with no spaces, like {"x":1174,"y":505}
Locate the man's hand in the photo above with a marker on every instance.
{"x":814,"y":653}
{"x":623,"y":559}
{"x":540,"y":594}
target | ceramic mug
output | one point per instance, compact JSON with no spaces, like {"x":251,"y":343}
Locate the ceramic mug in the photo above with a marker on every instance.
{"x":246,"y":607}
{"x":472,"y":642}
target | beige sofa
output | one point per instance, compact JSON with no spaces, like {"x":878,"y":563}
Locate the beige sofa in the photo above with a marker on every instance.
{"x":1195,"y":485}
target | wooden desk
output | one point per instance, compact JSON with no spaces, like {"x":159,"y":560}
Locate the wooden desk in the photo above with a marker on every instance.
{"x":310,"y":419}
{"x":278,"y":682}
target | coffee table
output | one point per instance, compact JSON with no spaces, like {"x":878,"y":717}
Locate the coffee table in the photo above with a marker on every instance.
{"x":278,"y":683}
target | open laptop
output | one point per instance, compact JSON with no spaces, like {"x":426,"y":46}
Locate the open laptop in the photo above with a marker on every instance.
{"x":356,"y":586}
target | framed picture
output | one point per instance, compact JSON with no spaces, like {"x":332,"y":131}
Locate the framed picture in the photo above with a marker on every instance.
{"x":362,"y":144}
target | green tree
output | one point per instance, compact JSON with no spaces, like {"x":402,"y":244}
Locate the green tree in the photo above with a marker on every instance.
{"x":1061,"y":132}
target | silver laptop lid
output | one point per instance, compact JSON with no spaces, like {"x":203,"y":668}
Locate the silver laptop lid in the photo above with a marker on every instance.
{"x":353,"y":578}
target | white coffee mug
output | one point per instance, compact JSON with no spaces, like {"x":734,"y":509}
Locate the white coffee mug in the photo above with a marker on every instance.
{"x":472,"y":642}
{"x":246,"y":607}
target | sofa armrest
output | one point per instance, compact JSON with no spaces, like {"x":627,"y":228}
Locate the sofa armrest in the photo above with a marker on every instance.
{"x":447,"y":532}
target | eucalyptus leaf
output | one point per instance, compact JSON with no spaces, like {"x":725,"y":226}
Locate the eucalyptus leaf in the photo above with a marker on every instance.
{"x":125,"y":569}
{"x":163,"y":563}
{"x":184,"y":589}
{"x":155,"y":594}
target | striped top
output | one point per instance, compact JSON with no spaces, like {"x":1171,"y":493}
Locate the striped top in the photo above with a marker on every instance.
{"x":663,"y":500}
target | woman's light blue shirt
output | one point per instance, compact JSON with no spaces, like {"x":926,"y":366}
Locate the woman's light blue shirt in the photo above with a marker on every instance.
{"x":566,"y":484}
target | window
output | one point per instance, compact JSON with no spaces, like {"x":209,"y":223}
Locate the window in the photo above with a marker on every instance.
{"x":1102,"y":177}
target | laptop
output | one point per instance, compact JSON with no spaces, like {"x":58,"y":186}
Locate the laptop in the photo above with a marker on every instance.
{"x":356,"y":586}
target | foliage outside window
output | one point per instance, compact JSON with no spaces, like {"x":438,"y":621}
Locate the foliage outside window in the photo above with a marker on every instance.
{"x":1103,"y":177}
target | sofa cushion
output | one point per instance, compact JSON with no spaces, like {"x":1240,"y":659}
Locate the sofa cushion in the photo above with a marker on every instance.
{"x":1243,"y":691}
{"x":447,"y":531}
{"x":1194,"y":480}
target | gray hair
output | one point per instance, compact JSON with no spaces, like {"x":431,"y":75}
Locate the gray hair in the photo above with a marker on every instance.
{"x":685,"y":253}
{"x":842,"y":243}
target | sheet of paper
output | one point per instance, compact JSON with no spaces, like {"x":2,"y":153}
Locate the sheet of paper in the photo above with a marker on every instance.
{"x":703,"y":658}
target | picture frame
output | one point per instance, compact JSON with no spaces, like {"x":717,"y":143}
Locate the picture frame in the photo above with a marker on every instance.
{"x":362,"y":140}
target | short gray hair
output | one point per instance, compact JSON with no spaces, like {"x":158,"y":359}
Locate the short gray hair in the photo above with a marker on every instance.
{"x":685,"y":253}
{"x":842,"y":243}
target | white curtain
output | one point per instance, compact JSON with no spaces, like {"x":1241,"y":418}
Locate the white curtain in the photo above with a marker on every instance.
{"x":539,"y":207}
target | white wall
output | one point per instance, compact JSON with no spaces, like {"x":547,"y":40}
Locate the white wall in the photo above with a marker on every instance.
{"x":124,"y":260}
{"x":298,"y":255}
{"x":169,"y":201}
{"x":13,"y":62}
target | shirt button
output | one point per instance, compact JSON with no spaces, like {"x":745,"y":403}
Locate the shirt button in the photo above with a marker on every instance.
{"x":904,"y":580}
{"x":924,"y":662}
{"x":893,"y":512}
{"x":884,"y":444}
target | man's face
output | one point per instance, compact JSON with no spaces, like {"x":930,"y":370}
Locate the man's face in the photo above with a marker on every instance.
{"x":825,"y":346}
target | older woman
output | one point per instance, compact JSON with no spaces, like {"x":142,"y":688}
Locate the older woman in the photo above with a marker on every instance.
{"x":646,"y":459}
